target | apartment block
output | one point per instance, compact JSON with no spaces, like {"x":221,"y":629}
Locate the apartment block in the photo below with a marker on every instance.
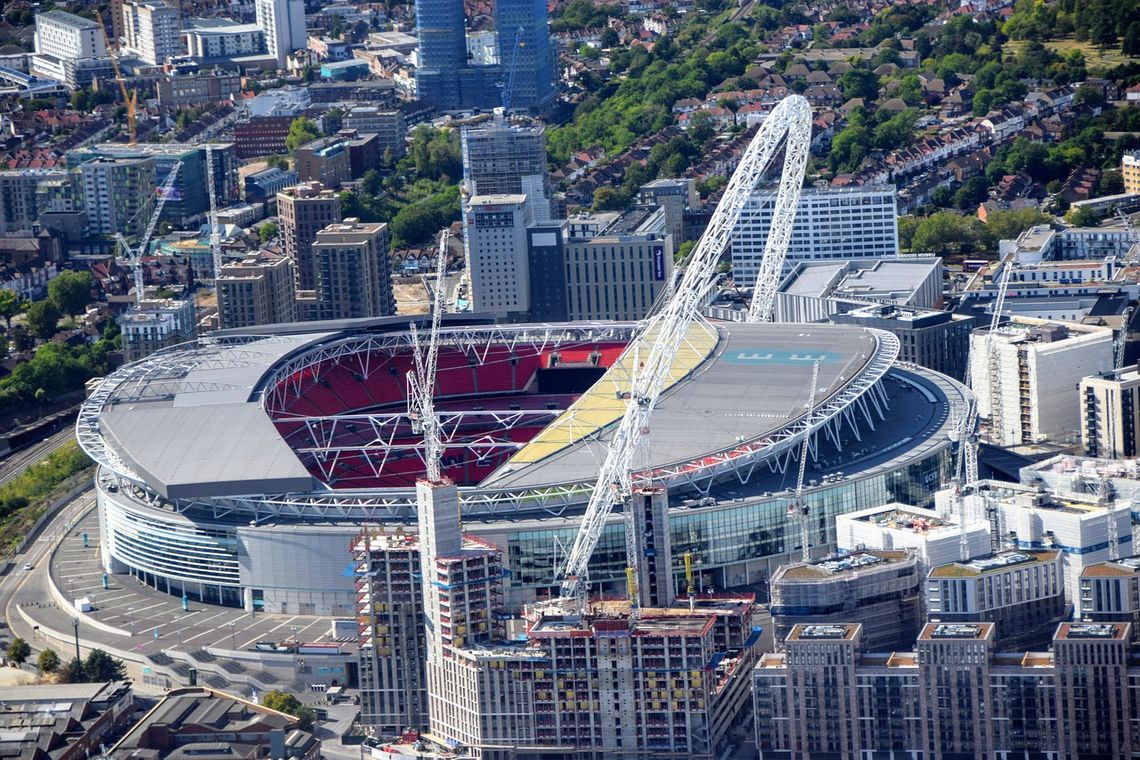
{"x":675,"y":196}
{"x":353,"y":273}
{"x":937,"y":340}
{"x":880,"y":589}
{"x":283,"y":22}
{"x":117,"y":194}
{"x":830,"y":224}
{"x":495,"y":242}
{"x":181,"y":90}
{"x":935,"y":537}
{"x":19,"y":203}
{"x":1022,"y":592}
{"x":157,"y":324}
{"x":305,"y":210}
{"x":69,"y":49}
{"x":1110,"y":593}
{"x":152,"y":30}
{"x":507,"y":157}
{"x":258,"y":290}
{"x":1110,"y":413}
{"x":323,"y":160}
{"x":1130,"y":168}
{"x":953,"y":696}
{"x":1038,"y":367}
{"x":389,"y":126}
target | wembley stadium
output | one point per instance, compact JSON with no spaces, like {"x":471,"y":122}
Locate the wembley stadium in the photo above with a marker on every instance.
{"x":235,"y":470}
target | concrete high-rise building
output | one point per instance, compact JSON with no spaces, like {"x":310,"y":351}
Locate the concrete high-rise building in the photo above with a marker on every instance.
{"x":157,"y":324}
{"x":675,"y":196}
{"x":933,"y":540}
{"x":284,"y":24}
{"x":441,"y":30}
{"x":1110,"y":593}
{"x":353,"y":273}
{"x":324,"y":160}
{"x":117,"y":194}
{"x":880,"y":589}
{"x":955,"y":696}
{"x":1110,"y":413}
{"x":830,"y":224}
{"x":19,"y":198}
{"x":1039,"y":366}
{"x":525,"y":56}
{"x":152,"y":30}
{"x":304,"y":211}
{"x":258,"y":290}
{"x":937,"y":340}
{"x":69,"y":49}
{"x":496,"y":252}
{"x":1023,"y":592}
{"x":387,"y":124}
{"x":505,"y":157}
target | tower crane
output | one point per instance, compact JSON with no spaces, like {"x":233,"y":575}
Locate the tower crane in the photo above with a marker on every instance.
{"x":1106,"y":500}
{"x":997,"y":403}
{"x":508,"y":84}
{"x":663,"y":334}
{"x":799,"y":508}
{"x":134,"y":256}
{"x":421,"y":381}
{"x":215,"y":232}
{"x":130,"y":100}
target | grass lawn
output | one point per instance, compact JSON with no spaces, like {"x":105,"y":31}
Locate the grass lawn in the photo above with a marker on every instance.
{"x":1096,"y":58}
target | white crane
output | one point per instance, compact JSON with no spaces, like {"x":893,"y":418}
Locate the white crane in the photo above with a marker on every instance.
{"x":421,"y":381}
{"x":663,"y":336}
{"x":799,"y":508}
{"x":1106,"y":500}
{"x":134,"y":256}
{"x":215,"y":232}
{"x":997,"y":403}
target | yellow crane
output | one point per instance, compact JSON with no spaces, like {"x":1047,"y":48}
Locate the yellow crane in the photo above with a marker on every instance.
{"x":131,"y":99}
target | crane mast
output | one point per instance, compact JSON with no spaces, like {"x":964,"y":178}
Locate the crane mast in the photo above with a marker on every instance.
{"x":215,"y":232}
{"x":799,"y":507}
{"x":421,"y":381}
{"x":663,"y":335}
{"x":997,"y":403}
{"x":134,"y":256}
{"x":130,"y":100}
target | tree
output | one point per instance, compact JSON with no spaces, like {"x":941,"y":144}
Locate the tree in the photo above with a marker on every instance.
{"x":1082,"y":217}
{"x":43,"y":319}
{"x":971,"y":193}
{"x":277,"y":162}
{"x":333,"y":120}
{"x":859,"y":83}
{"x":71,"y":291}
{"x":1131,"y":43}
{"x":267,"y":232}
{"x":73,"y":672}
{"x":609,"y":37}
{"x":100,"y":666}
{"x":1007,"y":225}
{"x":19,"y":651}
{"x":947,"y":233}
{"x":290,"y":705}
{"x":48,"y":661}
{"x":301,"y":131}
{"x":11,"y":304}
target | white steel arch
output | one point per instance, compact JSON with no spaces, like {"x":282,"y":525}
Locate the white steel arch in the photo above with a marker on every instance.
{"x":791,"y":119}
{"x":666,"y":331}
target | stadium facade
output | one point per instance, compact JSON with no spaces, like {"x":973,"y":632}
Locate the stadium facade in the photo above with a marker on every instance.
{"x":238,"y":469}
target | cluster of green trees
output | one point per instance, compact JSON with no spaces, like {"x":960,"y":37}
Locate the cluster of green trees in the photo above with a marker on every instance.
{"x":86,"y":100}
{"x":301,"y":131}
{"x":36,"y":483}
{"x":290,"y":705}
{"x":55,"y":369}
{"x":1102,"y":22}
{"x":582,"y":14}
{"x":865,"y":132}
{"x":948,"y":234}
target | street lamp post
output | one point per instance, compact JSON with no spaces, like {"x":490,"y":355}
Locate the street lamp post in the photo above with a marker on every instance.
{"x":75,"y":625}
{"x":131,"y":612}
{"x":233,"y":639}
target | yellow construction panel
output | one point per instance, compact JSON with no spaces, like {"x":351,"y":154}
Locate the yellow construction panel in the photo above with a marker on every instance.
{"x":603,"y":404}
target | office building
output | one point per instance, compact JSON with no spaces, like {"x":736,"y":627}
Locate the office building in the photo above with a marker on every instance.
{"x":387,"y":124}
{"x":935,"y":538}
{"x":496,"y":252}
{"x":353,"y":274}
{"x":505,"y":157}
{"x":830,"y":224}
{"x":324,"y":160}
{"x":1028,"y":517}
{"x":19,"y":198}
{"x":189,"y":200}
{"x":393,"y":642}
{"x":156,"y":324}
{"x":525,"y":55}
{"x":1110,"y":413}
{"x":937,"y":340}
{"x":215,"y":39}
{"x":263,"y":186}
{"x":880,"y":589}
{"x":258,"y":290}
{"x":117,"y":194}
{"x":260,"y":136}
{"x":954,"y":696}
{"x":283,"y":22}
{"x":1130,"y":169}
{"x":177,"y":90}
{"x":675,"y":196}
{"x":1038,"y":366}
{"x":815,"y":291}
{"x":70,"y":49}
{"x":1022,"y":592}
{"x":303,"y":211}
{"x":1110,"y":593}
{"x":618,"y":274}
{"x":152,"y":31}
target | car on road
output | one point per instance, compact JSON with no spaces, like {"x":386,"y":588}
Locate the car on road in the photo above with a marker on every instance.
{"x":27,"y":565}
